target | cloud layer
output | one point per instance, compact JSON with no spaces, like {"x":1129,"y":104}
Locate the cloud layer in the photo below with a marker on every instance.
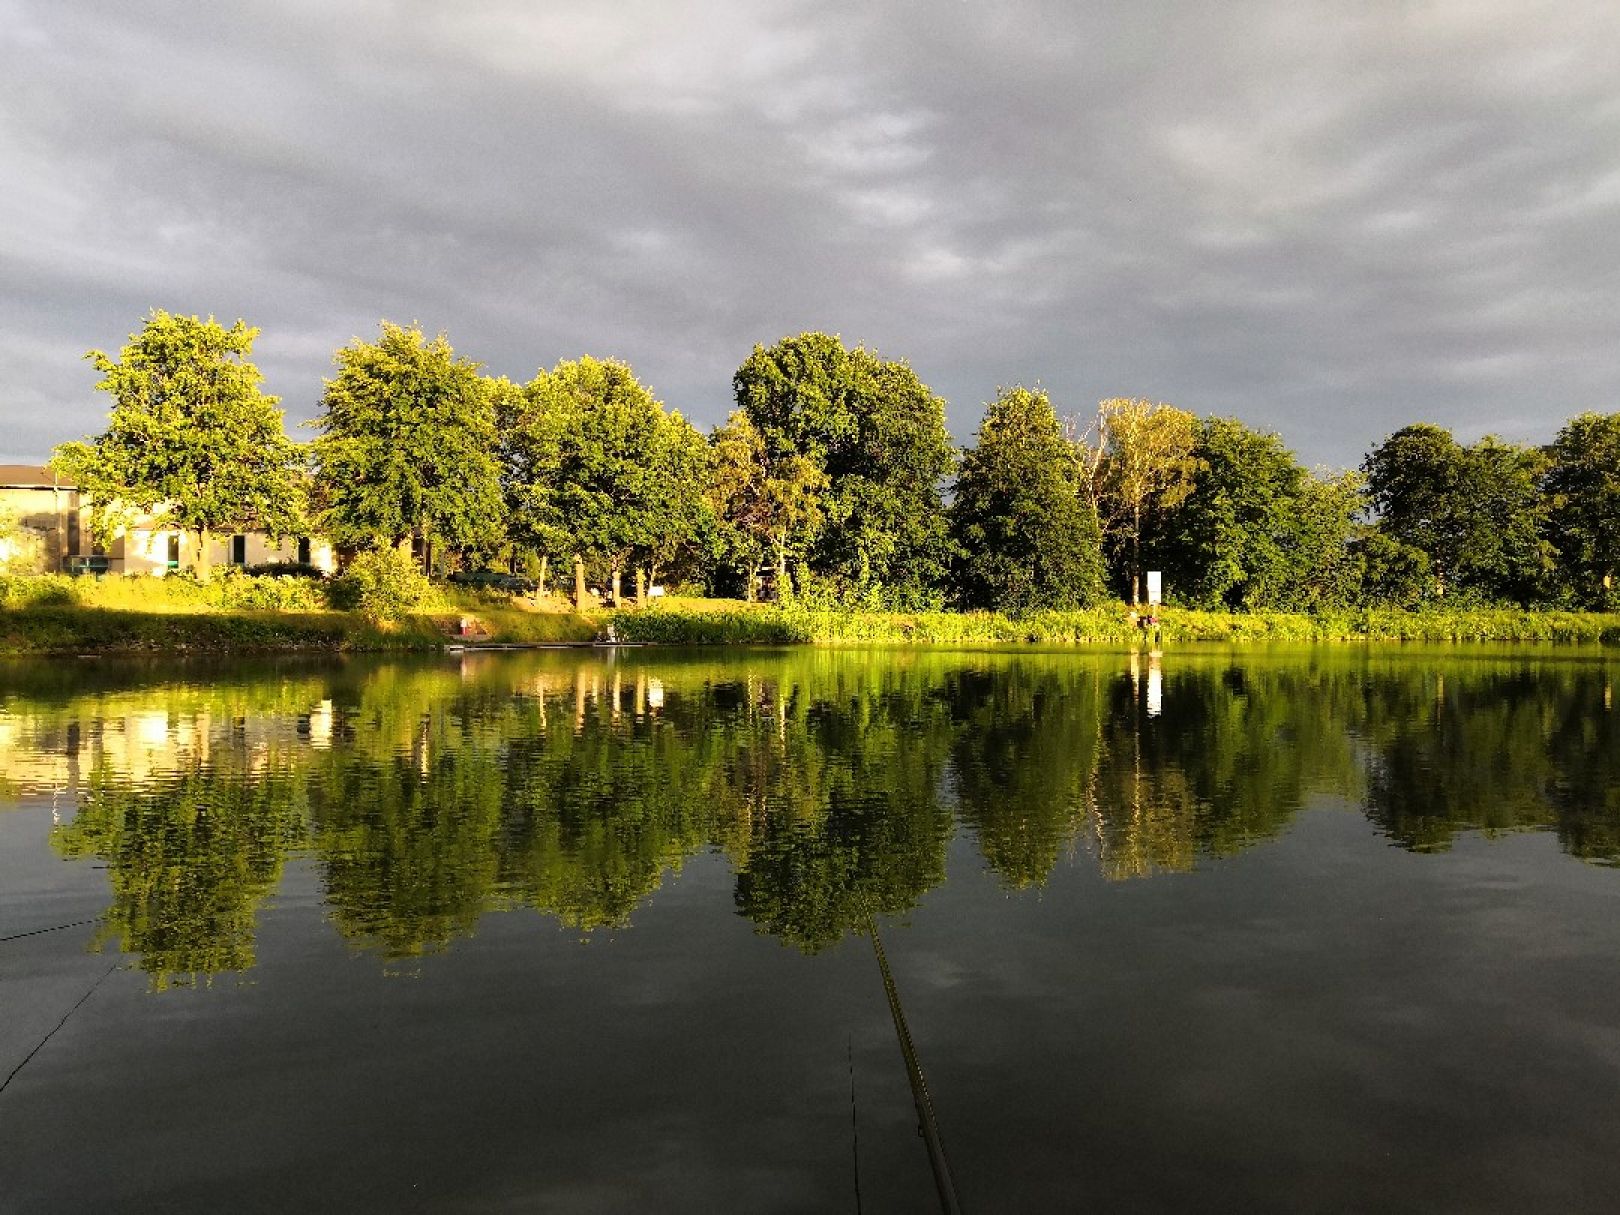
{"x":1328,"y":219}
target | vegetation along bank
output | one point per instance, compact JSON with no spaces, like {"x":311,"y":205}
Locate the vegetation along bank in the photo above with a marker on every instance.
{"x":834,"y":492}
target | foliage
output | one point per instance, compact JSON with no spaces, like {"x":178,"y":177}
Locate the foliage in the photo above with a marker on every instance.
{"x":1583,"y":498}
{"x":407,"y":446}
{"x":1477,"y":512}
{"x":877,"y":433}
{"x":383,"y":584}
{"x":1026,"y":533}
{"x":767,"y":504}
{"x":1390,"y":573}
{"x":190,"y":440}
{"x":1141,"y":465}
{"x":594,"y":466}
{"x":1257,"y":530}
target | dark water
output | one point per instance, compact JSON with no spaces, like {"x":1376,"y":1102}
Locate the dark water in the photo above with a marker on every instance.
{"x":1308,"y":930}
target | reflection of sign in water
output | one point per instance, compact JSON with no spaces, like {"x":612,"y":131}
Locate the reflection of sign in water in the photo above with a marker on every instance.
{"x":1155,"y":586}
{"x":1155,"y":688}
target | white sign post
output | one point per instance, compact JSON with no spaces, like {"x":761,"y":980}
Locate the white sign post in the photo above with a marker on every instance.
{"x":1155,"y":587}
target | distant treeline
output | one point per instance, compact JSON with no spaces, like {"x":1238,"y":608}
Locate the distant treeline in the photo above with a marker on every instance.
{"x":835,"y":481}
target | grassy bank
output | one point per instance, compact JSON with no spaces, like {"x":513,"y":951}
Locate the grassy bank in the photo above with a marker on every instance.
{"x":1111,"y":624}
{"x":56,"y":627}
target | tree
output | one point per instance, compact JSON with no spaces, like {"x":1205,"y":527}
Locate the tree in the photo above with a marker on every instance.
{"x":767,"y":504}
{"x":1026,"y":533}
{"x":1583,"y":491}
{"x":1141,"y":465}
{"x":1477,"y":512}
{"x":595,"y":466}
{"x":877,"y":433}
{"x":190,"y":440}
{"x":1257,"y":530}
{"x":407,"y":446}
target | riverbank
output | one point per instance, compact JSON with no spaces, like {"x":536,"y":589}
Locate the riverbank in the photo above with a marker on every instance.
{"x":75,"y":629}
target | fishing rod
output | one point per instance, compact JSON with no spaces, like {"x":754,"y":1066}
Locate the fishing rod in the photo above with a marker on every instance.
{"x":927,"y":1123}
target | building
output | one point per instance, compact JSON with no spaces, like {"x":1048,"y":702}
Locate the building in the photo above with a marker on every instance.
{"x":50,"y":532}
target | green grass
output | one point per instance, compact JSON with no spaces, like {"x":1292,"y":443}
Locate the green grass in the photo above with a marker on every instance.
{"x":58,"y":615}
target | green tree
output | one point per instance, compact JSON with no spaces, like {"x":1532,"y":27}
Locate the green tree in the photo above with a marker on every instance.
{"x":877,"y":433}
{"x":767,"y":504}
{"x":190,"y":440}
{"x":1141,"y":465}
{"x":1583,"y":491}
{"x":1026,"y":532}
{"x":1477,"y":511}
{"x":1257,"y":530}
{"x":407,"y":446}
{"x":595,"y":466}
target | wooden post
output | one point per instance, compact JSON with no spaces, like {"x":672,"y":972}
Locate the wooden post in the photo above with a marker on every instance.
{"x":579,"y":585}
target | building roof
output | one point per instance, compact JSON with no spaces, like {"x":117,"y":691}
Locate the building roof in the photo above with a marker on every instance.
{"x":30,"y":476}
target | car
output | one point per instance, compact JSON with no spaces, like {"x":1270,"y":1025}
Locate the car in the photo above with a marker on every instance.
{"x":285,"y":569}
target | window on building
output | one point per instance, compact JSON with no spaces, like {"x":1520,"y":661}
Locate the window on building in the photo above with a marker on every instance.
{"x":73,"y":533}
{"x":303,"y":551}
{"x":173,"y":558}
{"x":238,"y":550}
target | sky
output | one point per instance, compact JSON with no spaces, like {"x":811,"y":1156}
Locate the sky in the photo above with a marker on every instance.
{"x":1328,"y":220}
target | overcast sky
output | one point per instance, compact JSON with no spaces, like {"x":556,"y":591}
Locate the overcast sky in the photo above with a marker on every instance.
{"x":1327,"y":219}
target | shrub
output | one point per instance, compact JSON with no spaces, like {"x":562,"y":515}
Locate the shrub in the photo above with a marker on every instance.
{"x":384,"y":584}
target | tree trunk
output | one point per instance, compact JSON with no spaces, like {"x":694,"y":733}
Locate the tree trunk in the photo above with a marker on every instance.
{"x":579,"y":585}
{"x":753,"y":583}
{"x":545,"y":561}
{"x":203,"y":566}
{"x":1136,"y":554}
{"x":617,"y":576}
{"x":641,"y":587}
{"x":781,"y":567}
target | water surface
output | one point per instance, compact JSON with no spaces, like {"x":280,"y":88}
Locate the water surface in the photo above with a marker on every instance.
{"x":591,"y":931}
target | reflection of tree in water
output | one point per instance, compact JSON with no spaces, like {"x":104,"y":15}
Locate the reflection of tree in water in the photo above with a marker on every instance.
{"x":1024,"y":760}
{"x":433,"y":793}
{"x":834,"y":807}
{"x":1509,"y":748}
{"x":190,"y":857}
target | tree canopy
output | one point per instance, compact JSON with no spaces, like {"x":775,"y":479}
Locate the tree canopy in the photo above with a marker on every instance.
{"x":191,"y":439}
{"x":877,"y":433}
{"x":407,"y":445}
{"x":1583,"y":492}
{"x":1476,"y":512}
{"x":1025,"y":529}
{"x":595,"y":466}
{"x":768,"y":504}
{"x":1257,"y":530}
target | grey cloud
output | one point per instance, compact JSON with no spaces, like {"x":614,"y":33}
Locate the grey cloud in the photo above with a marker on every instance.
{"x":1327,"y":219}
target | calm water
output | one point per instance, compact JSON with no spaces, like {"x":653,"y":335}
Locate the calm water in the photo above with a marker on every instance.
{"x":581,"y":931}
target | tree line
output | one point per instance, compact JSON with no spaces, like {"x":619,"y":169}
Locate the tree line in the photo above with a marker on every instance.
{"x":835,"y":479}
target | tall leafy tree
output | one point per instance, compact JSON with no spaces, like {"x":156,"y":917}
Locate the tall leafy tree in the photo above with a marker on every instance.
{"x":1583,"y":490}
{"x":191,"y":439}
{"x":1141,"y":465}
{"x":407,"y":445}
{"x":595,"y":466}
{"x":766,"y":503}
{"x":1257,"y":530}
{"x":877,"y":433}
{"x":1025,"y":529}
{"x":1477,"y":512}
